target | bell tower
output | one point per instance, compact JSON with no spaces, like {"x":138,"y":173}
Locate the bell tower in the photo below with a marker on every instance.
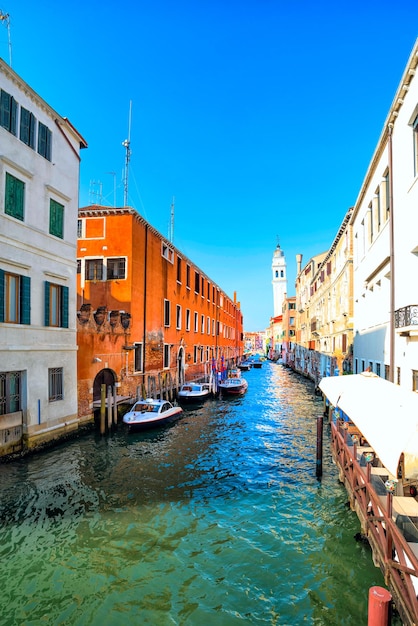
{"x":279,"y":281}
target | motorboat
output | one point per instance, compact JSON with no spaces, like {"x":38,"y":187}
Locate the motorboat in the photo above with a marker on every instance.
{"x":194,"y":391}
{"x":244,"y":366}
{"x":151,"y":413}
{"x":234,"y":386}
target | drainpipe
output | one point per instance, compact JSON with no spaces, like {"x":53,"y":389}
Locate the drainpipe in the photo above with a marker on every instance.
{"x":145,"y":304}
{"x":392,"y":262}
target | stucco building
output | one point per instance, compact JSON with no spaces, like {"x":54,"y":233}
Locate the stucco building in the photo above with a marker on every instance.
{"x":39,"y":182}
{"x":385,"y":226}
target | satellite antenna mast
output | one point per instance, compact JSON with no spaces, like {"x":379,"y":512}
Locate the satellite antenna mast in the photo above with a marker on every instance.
{"x":4,"y":17}
{"x":127,"y":144}
{"x":172,"y":221}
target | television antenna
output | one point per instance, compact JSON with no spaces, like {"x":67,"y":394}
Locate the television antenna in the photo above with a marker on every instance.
{"x":127,"y":145}
{"x":4,"y":17}
{"x":171,"y":237}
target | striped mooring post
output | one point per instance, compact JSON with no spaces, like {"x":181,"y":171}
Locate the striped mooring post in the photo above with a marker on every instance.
{"x":379,"y":606}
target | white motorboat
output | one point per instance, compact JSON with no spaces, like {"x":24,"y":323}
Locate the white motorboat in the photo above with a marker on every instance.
{"x":151,"y":413}
{"x":194,"y":392}
{"x":234,"y":386}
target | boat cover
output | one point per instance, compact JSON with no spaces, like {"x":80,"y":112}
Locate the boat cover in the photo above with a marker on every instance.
{"x":384,"y":413}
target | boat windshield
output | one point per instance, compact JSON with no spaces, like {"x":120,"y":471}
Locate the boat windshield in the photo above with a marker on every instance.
{"x":143,"y":407}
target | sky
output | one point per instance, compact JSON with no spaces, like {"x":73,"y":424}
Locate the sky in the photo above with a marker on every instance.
{"x":258,"y":118}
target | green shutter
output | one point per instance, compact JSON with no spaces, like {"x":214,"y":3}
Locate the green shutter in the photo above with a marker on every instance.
{"x":56,"y":219}
{"x":2,"y":296}
{"x":64,"y":306}
{"x":47,"y":303}
{"x":25,"y":300}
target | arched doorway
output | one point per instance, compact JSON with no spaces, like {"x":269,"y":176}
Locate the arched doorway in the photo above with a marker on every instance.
{"x":104,"y":377}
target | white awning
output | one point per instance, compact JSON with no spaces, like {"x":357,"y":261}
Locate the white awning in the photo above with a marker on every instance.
{"x":385,"y":414}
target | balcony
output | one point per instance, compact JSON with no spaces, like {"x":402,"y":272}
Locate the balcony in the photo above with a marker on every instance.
{"x":406,"y":320}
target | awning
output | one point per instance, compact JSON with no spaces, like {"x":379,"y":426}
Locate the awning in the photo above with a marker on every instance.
{"x":384,"y":413}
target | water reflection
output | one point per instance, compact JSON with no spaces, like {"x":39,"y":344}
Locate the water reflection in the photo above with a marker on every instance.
{"x":217,"y":519}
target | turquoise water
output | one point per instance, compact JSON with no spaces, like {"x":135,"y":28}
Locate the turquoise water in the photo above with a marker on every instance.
{"x":216,"y":520}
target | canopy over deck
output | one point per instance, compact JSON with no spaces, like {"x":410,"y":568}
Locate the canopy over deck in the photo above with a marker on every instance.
{"x":385,"y":414}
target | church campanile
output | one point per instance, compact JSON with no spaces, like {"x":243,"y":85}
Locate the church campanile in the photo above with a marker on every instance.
{"x":279,"y":281}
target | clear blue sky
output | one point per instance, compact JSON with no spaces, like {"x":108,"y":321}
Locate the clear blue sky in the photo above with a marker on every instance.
{"x":259,"y":116}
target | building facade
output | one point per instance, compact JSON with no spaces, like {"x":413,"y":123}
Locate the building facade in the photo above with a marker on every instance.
{"x":39,"y":183}
{"x":385,"y":226}
{"x":148,"y":318}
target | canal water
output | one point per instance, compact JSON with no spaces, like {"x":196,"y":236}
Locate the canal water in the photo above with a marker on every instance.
{"x":216,"y":520}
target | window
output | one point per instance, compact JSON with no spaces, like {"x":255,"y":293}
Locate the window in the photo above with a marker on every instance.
{"x":187,"y":319}
{"x":167,"y":252}
{"x":56,"y":305}
{"x":79,"y":229}
{"x":196,"y":282}
{"x":55,"y":384}
{"x":178,"y":269}
{"x":178,"y":317}
{"x":188,"y":276}
{"x":14,"y":298}
{"x":166,"y":312}
{"x":196,"y":322}
{"x":94,"y":269}
{"x":387,"y":194}
{"x":56,"y":219}
{"x":10,"y":392}
{"x":378,"y":369}
{"x":44,"y":141}
{"x":202,"y":324}
{"x":8,"y":112}
{"x":166,"y":356}
{"x":116,"y":268}
{"x":138,"y":364}
{"x":27,"y":127}
{"x":208,"y":325}
{"x":15,"y":197}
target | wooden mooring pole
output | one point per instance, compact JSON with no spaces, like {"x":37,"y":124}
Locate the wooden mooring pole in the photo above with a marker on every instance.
{"x":319,"y":431}
{"x":379,"y":607}
{"x":102,"y":409}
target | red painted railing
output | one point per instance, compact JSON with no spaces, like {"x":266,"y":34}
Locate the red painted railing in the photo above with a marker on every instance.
{"x":391,"y":551}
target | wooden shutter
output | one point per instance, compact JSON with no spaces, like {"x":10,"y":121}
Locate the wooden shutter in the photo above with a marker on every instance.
{"x":64,"y":307}
{"x":47,"y":303}
{"x":25,"y":300}
{"x":1,"y":295}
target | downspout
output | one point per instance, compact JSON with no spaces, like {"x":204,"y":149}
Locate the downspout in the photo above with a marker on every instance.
{"x":145,"y":305}
{"x":392,"y":262}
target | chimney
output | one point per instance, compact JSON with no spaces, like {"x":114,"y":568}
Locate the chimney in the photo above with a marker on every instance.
{"x":299,"y":263}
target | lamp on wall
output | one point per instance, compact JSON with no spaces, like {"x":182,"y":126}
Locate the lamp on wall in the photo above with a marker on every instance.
{"x":96,"y":359}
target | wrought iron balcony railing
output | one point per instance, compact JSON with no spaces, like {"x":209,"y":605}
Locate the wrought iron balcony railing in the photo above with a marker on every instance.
{"x":407,"y":316}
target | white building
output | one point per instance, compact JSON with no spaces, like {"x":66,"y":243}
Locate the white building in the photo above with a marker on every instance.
{"x":279,"y":281}
{"x":385,"y":228}
{"x":39,"y":182}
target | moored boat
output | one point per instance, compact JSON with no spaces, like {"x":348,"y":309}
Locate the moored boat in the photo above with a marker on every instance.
{"x":233,"y":386}
{"x":151,"y":413}
{"x":244,"y":366}
{"x":194,"y":391}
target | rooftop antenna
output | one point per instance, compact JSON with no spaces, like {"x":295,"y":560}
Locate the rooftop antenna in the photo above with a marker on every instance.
{"x":172,"y":221}
{"x":114,"y":187}
{"x":4,"y":17}
{"x":127,"y":144}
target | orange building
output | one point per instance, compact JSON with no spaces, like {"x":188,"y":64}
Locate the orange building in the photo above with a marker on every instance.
{"x":148,"y":318}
